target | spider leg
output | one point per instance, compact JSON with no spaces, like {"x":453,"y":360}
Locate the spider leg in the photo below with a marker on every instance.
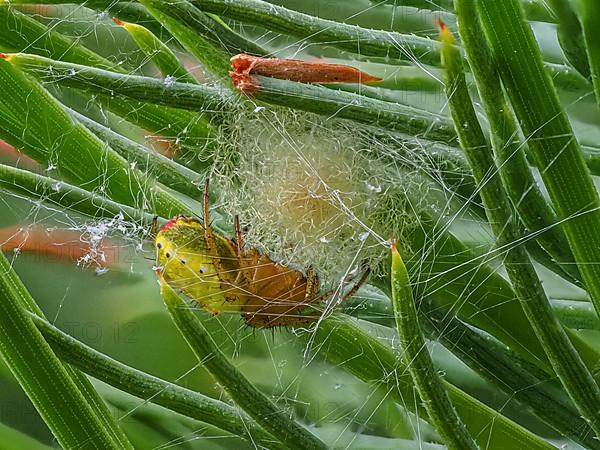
{"x":312,"y":284}
{"x":316,"y":281}
{"x":243,"y":276}
{"x":209,"y":237}
{"x":154,"y":228}
{"x":239,"y":237}
{"x":347,"y":295}
{"x":356,"y":287}
{"x":302,"y":320}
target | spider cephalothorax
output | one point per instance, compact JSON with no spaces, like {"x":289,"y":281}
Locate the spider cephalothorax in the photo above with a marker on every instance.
{"x":222,"y":274}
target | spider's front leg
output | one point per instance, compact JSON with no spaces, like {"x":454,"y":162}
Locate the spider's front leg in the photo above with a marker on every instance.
{"x":244,"y":276}
{"x":225,"y":274}
{"x":312,"y":286}
{"x":357,"y":285}
{"x":239,"y":237}
{"x":209,"y":236}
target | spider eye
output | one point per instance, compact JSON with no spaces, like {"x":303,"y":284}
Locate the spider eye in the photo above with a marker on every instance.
{"x":202,"y":269}
{"x":182,"y":261}
{"x":159,"y":245}
{"x":168,"y":255}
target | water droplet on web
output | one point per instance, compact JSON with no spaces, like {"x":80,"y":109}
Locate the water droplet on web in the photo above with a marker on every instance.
{"x":323,"y":240}
{"x":337,"y":386}
{"x":376,"y":189}
{"x":100,"y":270}
{"x":363,"y":236}
{"x":258,"y":109}
{"x":169,"y":81}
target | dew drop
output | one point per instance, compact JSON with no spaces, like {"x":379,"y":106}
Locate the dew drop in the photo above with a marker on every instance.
{"x":100,"y":270}
{"x":169,"y":81}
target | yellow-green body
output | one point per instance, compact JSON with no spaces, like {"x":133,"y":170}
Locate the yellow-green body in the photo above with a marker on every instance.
{"x":187,"y":265}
